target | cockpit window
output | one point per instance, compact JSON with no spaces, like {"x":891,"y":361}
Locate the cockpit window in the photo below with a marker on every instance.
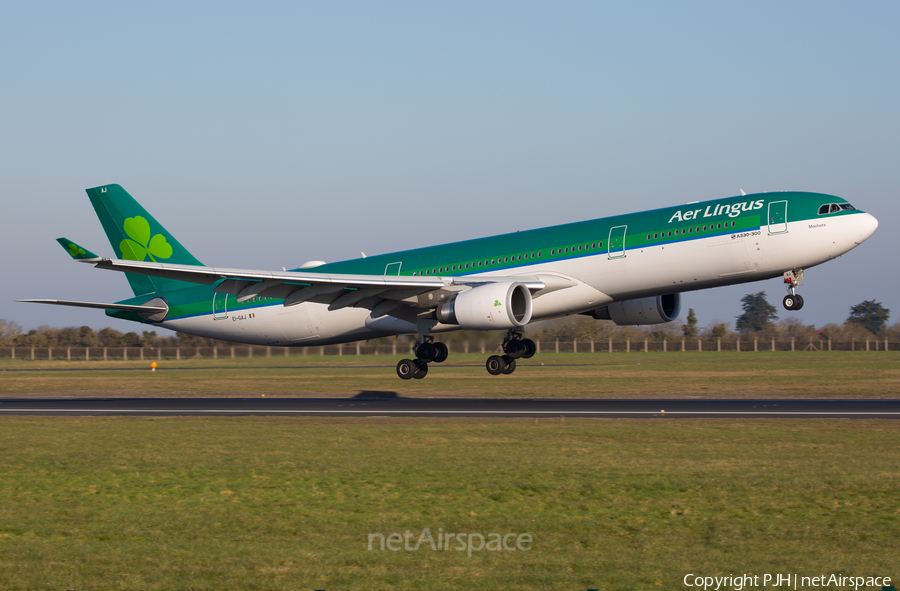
{"x":835,"y":207}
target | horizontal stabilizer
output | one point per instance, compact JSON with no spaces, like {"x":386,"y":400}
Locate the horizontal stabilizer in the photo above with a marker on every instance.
{"x":156,"y":311}
{"x":77,"y":252}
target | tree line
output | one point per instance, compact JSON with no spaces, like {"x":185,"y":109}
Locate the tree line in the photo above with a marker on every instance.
{"x":867,"y":319}
{"x":11,"y":335}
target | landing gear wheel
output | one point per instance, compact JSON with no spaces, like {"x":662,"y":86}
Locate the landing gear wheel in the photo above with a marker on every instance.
{"x":426,"y":351}
{"x":406,"y":368}
{"x":788,"y":302}
{"x":530,"y":348}
{"x":442,"y":352}
{"x":495,"y":365}
{"x":421,"y":369}
{"x":792,"y":302}
{"x":510,"y":365}
{"x":515,"y":349}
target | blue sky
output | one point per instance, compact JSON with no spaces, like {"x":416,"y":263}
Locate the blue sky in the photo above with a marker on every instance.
{"x":265,"y":136}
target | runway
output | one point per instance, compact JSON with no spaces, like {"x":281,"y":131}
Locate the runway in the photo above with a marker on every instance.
{"x":383,"y":404}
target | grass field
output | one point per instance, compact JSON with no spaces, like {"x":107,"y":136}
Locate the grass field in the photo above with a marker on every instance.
{"x":616,"y":375}
{"x":271,"y":503}
{"x":289,"y":503}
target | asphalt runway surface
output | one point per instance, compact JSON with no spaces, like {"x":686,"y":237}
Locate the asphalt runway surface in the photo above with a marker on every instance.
{"x":388,"y":404}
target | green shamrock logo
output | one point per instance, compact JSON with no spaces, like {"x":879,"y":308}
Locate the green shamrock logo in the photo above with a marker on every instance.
{"x":139,"y":244}
{"x":76,"y":251}
{"x":496,"y":303}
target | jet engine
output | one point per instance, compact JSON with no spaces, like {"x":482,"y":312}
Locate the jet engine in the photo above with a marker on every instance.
{"x":489,"y":306}
{"x":652,"y":310}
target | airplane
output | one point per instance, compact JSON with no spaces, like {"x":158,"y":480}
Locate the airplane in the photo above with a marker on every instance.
{"x":631,"y":269}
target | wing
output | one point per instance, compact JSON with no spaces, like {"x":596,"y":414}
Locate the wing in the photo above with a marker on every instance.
{"x":401,"y":296}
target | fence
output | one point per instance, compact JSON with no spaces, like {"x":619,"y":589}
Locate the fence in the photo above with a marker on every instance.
{"x":395,"y":348}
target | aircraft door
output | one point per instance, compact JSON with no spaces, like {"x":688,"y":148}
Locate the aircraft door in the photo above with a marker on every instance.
{"x":220,"y":309}
{"x":778,"y":217}
{"x":616,"y":242}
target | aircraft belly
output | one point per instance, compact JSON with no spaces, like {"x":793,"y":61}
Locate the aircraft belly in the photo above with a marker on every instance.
{"x":298,"y":324}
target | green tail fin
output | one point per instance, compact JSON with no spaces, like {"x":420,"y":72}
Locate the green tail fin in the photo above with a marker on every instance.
{"x":136,"y":236}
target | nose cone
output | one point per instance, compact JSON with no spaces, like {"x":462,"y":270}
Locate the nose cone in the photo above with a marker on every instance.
{"x":866,"y":225}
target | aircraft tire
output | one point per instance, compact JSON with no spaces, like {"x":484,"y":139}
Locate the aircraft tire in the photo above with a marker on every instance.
{"x":495,"y":365}
{"x":530,"y":348}
{"x":442,"y":352}
{"x":426,"y":352}
{"x":510,"y":365}
{"x":406,"y":368}
{"x":789,"y":302}
{"x":799,"y":302}
{"x":421,"y":369}
{"x":515,"y":349}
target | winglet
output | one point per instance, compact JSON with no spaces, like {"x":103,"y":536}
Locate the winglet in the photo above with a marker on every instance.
{"x":79,"y":253}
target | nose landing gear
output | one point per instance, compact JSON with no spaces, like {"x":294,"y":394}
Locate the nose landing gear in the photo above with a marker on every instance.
{"x":792,"y":279}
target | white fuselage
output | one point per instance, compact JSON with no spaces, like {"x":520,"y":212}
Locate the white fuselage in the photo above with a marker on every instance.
{"x":598,"y":279}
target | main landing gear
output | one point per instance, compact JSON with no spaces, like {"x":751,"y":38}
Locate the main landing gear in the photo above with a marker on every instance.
{"x":792,"y":279}
{"x":426,"y":350}
{"x":515,"y":347}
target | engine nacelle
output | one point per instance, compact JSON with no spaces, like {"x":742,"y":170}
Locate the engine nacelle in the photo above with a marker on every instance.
{"x":652,"y":310}
{"x":486,"y":307}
